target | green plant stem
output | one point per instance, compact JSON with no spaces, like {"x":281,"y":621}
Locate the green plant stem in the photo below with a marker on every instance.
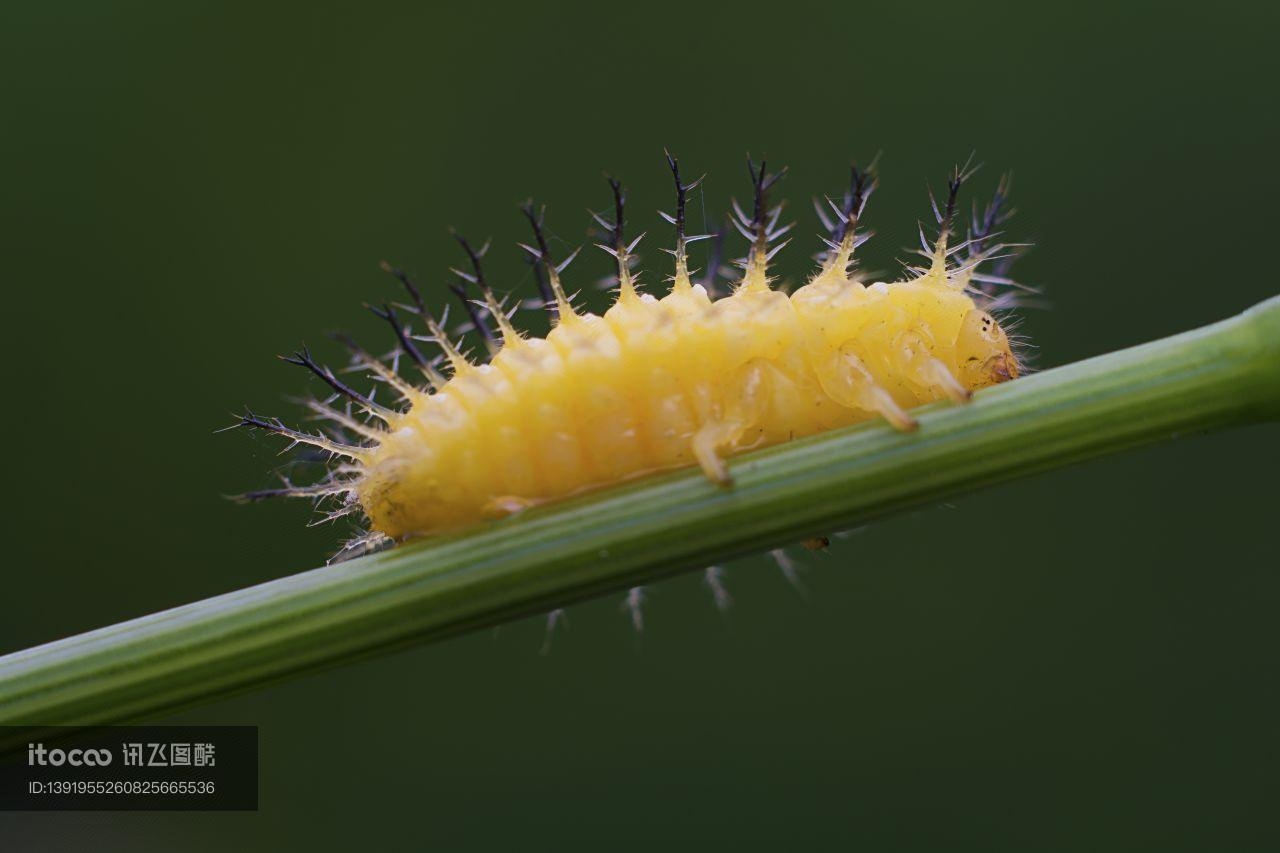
{"x":1217,"y":376}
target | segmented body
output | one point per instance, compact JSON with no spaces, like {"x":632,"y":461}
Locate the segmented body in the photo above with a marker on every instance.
{"x":660,"y":383}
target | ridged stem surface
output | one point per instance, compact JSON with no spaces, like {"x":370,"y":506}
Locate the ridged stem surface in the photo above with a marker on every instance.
{"x":1218,"y":376}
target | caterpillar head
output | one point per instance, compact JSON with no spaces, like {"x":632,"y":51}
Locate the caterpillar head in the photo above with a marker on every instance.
{"x":983,"y":352}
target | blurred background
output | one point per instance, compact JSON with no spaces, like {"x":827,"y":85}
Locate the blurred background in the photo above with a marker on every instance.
{"x":1083,"y":659}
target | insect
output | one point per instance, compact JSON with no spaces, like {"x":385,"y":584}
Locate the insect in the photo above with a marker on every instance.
{"x":655,"y":383}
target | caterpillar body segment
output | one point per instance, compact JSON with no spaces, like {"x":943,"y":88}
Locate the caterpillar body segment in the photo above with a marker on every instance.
{"x":656,"y":383}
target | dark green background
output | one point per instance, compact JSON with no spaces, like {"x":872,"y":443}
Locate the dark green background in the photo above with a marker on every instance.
{"x":1086,"y":659}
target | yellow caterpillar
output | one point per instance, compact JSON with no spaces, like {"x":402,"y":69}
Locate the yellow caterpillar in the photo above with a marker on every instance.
{"x":659,"y":383}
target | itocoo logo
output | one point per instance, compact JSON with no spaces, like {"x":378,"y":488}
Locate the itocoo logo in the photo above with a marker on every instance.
{"x":37,"y":754}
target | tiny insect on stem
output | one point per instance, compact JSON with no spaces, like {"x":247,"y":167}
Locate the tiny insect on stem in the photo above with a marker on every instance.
{"x":1219,"y":376}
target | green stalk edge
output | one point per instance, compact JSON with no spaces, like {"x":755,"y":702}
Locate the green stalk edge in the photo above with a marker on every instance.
{"x":1221,"y":375}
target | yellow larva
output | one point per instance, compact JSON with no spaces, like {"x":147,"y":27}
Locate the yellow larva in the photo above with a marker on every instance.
{"x":661,"y":383}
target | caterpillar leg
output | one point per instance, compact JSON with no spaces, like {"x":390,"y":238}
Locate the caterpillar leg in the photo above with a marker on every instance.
{"x":930,"y":371}
{"x":846,"y":380}
{"x":744,"y":406}
{"x":503,"y":505}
